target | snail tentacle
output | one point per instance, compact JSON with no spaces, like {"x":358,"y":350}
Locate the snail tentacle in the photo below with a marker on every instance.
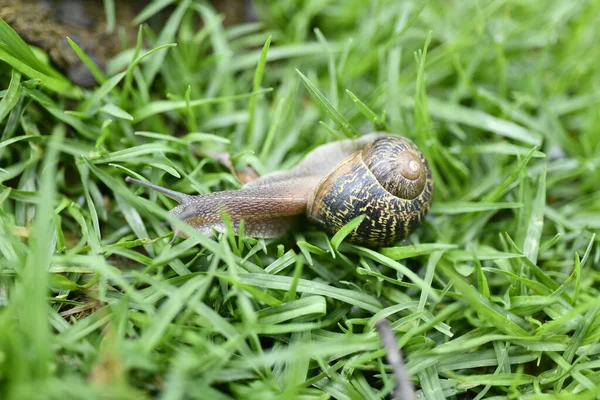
{"x":177,"y":196}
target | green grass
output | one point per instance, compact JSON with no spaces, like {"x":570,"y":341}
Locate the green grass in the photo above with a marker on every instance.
{"x":495,"y":296}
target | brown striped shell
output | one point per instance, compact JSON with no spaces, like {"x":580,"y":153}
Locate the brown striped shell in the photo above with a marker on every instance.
{"x":389,"y":182}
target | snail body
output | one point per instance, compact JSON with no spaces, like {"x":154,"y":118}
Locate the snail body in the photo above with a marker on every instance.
{"x":384,"y":177}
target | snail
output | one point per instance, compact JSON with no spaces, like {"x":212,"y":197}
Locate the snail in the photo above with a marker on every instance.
{"x":384,"y":177}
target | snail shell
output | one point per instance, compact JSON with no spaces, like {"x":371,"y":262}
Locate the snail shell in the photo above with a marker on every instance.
{"x":388,"y":181}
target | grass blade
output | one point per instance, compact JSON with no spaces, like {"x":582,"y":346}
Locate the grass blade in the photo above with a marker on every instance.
{"x":328,"y":108}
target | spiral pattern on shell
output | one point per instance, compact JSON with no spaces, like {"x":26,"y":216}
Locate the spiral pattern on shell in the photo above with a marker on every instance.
{"x":389,"y":182}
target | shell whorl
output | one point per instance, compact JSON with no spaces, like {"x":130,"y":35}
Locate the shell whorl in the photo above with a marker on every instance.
{"x":398,"y":166}
{"x":389,"y":182}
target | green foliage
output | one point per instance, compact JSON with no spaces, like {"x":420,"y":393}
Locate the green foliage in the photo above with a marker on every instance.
{"x":495,"y":296}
